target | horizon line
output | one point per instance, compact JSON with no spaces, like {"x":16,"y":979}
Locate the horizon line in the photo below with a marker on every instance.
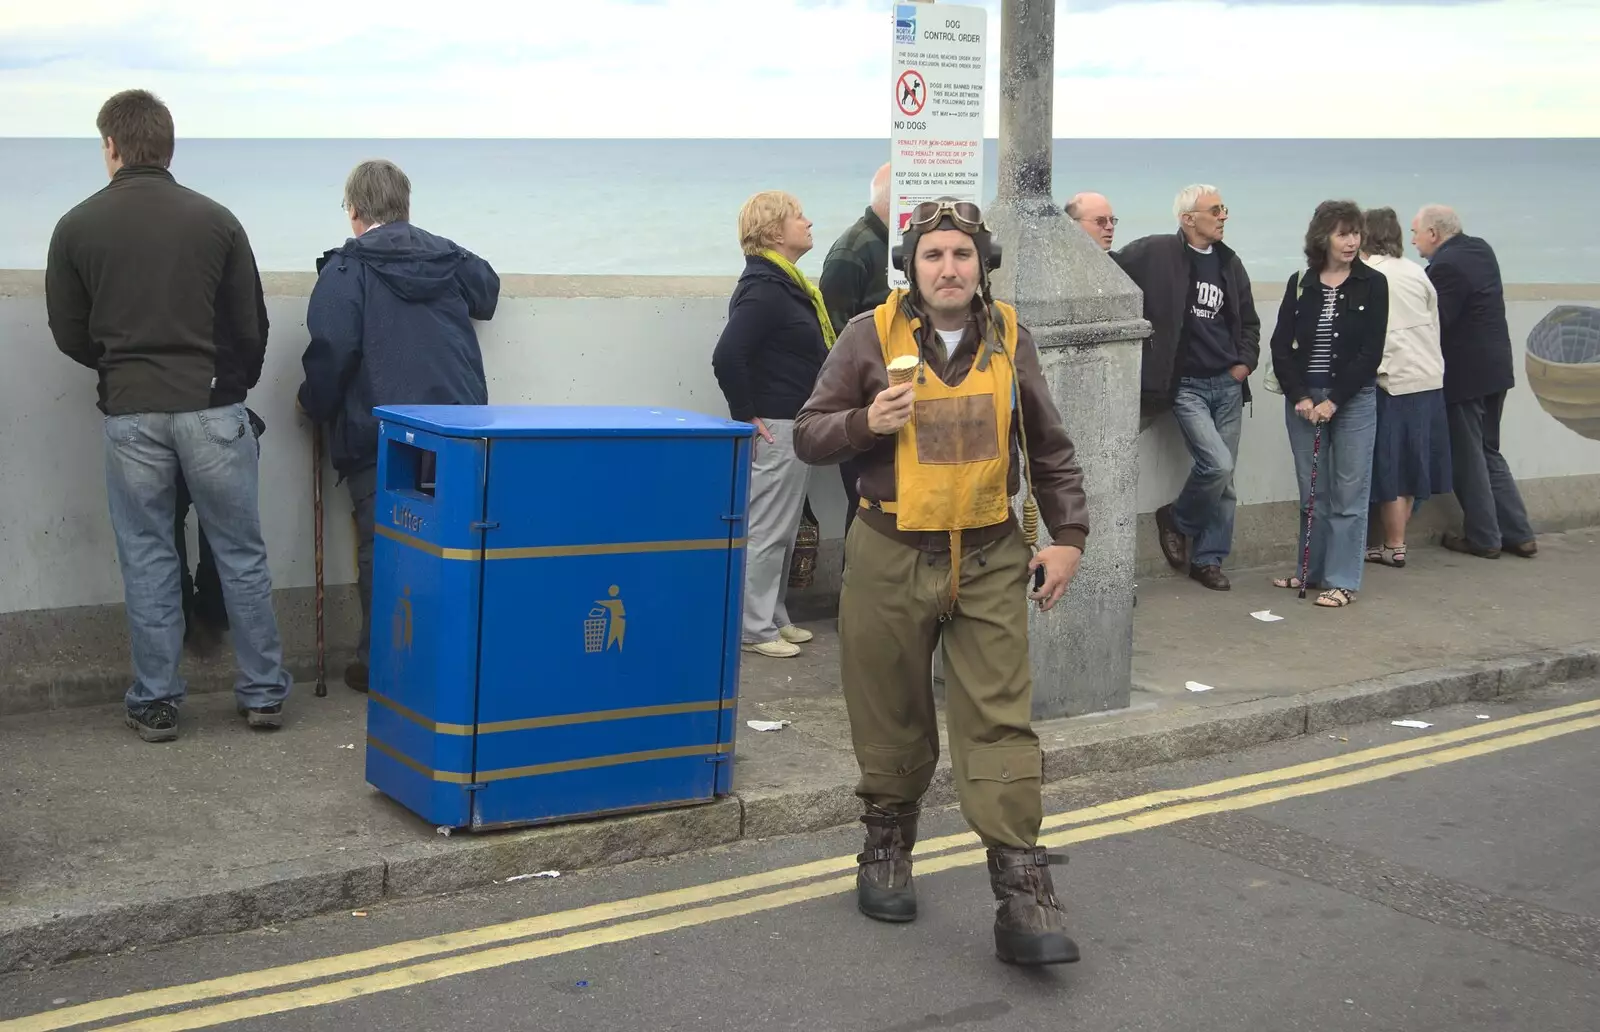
{"x":820,"y":139}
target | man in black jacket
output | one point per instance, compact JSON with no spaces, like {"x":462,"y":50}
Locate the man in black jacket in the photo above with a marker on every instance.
{"x":391,"y":324}
{"x":1477,"y":374}
{"x":1205,"y":339}
{"x":855,"y":279}
{"x":155,"y":287}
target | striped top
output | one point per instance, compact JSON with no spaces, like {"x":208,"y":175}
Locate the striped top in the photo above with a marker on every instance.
{"x":1319,"y":367}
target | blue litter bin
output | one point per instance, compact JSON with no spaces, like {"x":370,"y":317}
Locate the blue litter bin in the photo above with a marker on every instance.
{"x":555,"y":610}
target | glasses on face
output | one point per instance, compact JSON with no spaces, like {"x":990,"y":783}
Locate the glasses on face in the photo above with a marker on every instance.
{"x":966,"y":215}
{"x":1103,"y":221}
{"x":1215,"y":211}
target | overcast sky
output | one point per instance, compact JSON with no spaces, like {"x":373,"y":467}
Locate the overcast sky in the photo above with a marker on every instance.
{"x":792,"y":68}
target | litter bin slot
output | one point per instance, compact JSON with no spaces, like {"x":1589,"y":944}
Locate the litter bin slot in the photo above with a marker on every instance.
{"x":412,"y":469}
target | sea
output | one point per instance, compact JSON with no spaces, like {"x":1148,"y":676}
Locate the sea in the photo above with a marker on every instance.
{"x":669,"y":206}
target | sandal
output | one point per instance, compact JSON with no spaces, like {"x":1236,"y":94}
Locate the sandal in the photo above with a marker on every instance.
{"x":1387,"y":556}
{"x":1336,"y":598}
{"x":1291,"y":583}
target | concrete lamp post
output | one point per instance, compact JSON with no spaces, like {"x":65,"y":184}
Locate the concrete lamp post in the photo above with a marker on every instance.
{"x":1086,"y":317}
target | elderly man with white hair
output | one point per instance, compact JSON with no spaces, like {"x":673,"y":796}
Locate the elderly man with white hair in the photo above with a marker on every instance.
{"x":1478,"y":372}
{"x":1205,"y":339}
{"x":1092,"y":211}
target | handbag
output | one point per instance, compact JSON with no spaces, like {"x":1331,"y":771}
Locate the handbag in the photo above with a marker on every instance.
{"x":1269,"y":379}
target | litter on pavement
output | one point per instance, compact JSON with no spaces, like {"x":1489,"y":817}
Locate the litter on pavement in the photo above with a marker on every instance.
{"x":1267,"y":616}
{"x":1411,"y":723}
{"x":538,"y":874}
{"x":766,"y":725}
{"x":1196,"y":686}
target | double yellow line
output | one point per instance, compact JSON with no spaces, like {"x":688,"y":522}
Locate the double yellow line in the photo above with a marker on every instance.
{"x":459,"y":953}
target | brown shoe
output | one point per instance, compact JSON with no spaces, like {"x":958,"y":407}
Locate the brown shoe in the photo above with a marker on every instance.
{"x":883,"y":878}
{"x":1173,"y":544}
{"x":1525,"y":550}
{"x":1458,"y":543}
{"x":1211,"y":576}
{"x":1030,"y":926}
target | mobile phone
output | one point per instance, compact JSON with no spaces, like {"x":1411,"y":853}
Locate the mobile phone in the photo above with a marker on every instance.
{"x":1038,"y":578}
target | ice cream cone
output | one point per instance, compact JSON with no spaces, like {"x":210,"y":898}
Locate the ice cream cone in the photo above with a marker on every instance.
{"x":902,"y":369}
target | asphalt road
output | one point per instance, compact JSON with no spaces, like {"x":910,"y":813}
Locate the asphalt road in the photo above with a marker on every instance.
{"x":1449,"y":882}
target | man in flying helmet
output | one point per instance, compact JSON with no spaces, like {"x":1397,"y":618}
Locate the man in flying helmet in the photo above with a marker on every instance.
{"x":939,"y":397}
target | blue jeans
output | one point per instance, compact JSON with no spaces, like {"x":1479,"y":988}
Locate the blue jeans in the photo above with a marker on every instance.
{"x":1344,"y":486}
{"x":1210,"y":411}
{"x":216,"y":454}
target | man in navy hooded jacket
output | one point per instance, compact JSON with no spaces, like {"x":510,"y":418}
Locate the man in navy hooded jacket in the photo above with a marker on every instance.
{"x":391,"y":324}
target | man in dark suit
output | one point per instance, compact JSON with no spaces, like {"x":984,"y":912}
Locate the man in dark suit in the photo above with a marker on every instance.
{"x":1477,"y":374}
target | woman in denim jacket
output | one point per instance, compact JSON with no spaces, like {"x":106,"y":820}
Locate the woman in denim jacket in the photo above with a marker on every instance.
{"x":1326,"y":351}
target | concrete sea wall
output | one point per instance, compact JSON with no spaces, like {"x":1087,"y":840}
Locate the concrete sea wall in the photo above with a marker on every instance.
{"x":555,"y":340}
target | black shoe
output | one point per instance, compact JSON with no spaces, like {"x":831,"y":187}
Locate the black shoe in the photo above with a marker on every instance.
{"x":1522,"y":549}
{"x":1030,"y":926}
{"x":267,"y":718}
{"x":355,"y":677}
{"x":1174,"y":546}
{"x":1459,"y":543}
{"x":157,"y":722}
{"x":883,"y":880}
{"x":1211,"y":576}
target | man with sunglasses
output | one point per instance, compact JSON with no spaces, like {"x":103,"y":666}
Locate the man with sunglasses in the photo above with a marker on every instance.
{"x":935,"y":553}
{"x":1093,"y":212}
{"x":1205,"y":339}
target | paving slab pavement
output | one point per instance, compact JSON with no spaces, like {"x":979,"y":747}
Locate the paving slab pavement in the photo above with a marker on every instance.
{"x":109,"y":842}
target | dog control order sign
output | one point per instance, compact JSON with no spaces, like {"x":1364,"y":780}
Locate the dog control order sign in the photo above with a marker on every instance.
{"x":936,"y":109}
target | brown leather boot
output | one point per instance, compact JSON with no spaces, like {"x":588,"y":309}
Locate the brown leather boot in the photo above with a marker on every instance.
{"x":1030,"y":926}
{"x":883,"y":880}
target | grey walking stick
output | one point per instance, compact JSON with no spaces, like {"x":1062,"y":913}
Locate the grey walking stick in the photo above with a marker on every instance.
{"x":1311,"y":508}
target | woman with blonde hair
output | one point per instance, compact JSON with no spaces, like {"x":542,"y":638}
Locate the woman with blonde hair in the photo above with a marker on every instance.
{"x":777,"y":336}
{"x":1411,"y":459}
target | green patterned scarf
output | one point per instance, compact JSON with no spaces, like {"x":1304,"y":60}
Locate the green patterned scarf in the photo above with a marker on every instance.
{"x":806,"y":285}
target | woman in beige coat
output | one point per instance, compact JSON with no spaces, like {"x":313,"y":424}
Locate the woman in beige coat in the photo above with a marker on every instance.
{"x":1411,"y":458}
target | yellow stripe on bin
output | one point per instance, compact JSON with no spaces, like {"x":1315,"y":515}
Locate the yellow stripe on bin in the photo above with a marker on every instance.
{"x":427,"y":547}
{"x":591,"y":762}
{"x":601,"y":716}
{"x":555,"y":720}
{"x":452,"y":777}
{"x":560,"y":551}
{"x":437,"y":727}
{"x":449,"y":777}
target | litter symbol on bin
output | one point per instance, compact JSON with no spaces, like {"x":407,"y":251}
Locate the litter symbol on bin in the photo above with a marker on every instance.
{"x":606,"y":624}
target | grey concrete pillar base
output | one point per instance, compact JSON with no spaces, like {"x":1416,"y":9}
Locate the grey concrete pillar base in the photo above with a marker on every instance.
{"x":1086,"y":318}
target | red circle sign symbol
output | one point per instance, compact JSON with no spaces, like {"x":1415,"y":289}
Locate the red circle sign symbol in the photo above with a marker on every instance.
{"x":910,"y":93}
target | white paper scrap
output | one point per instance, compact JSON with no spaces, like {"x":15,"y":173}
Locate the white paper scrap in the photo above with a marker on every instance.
{"x":538,"y":874}
{"x":1267,"y":616}
{"x":1410,"y":723}
{"x":1483,"y":716}
{"x":1196,"y":686}
{"x":766,"y":725}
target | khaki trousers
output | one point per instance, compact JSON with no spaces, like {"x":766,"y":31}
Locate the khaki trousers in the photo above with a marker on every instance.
{"x":889,"y":625}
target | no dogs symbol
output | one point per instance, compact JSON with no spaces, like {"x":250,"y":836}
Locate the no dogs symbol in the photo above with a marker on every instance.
{"x":910,"y":93}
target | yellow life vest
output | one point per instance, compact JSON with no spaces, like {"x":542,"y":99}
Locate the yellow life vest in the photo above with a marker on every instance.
{"x":953,"y":458}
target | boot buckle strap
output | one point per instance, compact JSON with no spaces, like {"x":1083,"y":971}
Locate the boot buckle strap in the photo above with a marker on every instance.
{"x":882,"y":854}
{"x":1038,"y":856}
{"x":888,"y":819}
